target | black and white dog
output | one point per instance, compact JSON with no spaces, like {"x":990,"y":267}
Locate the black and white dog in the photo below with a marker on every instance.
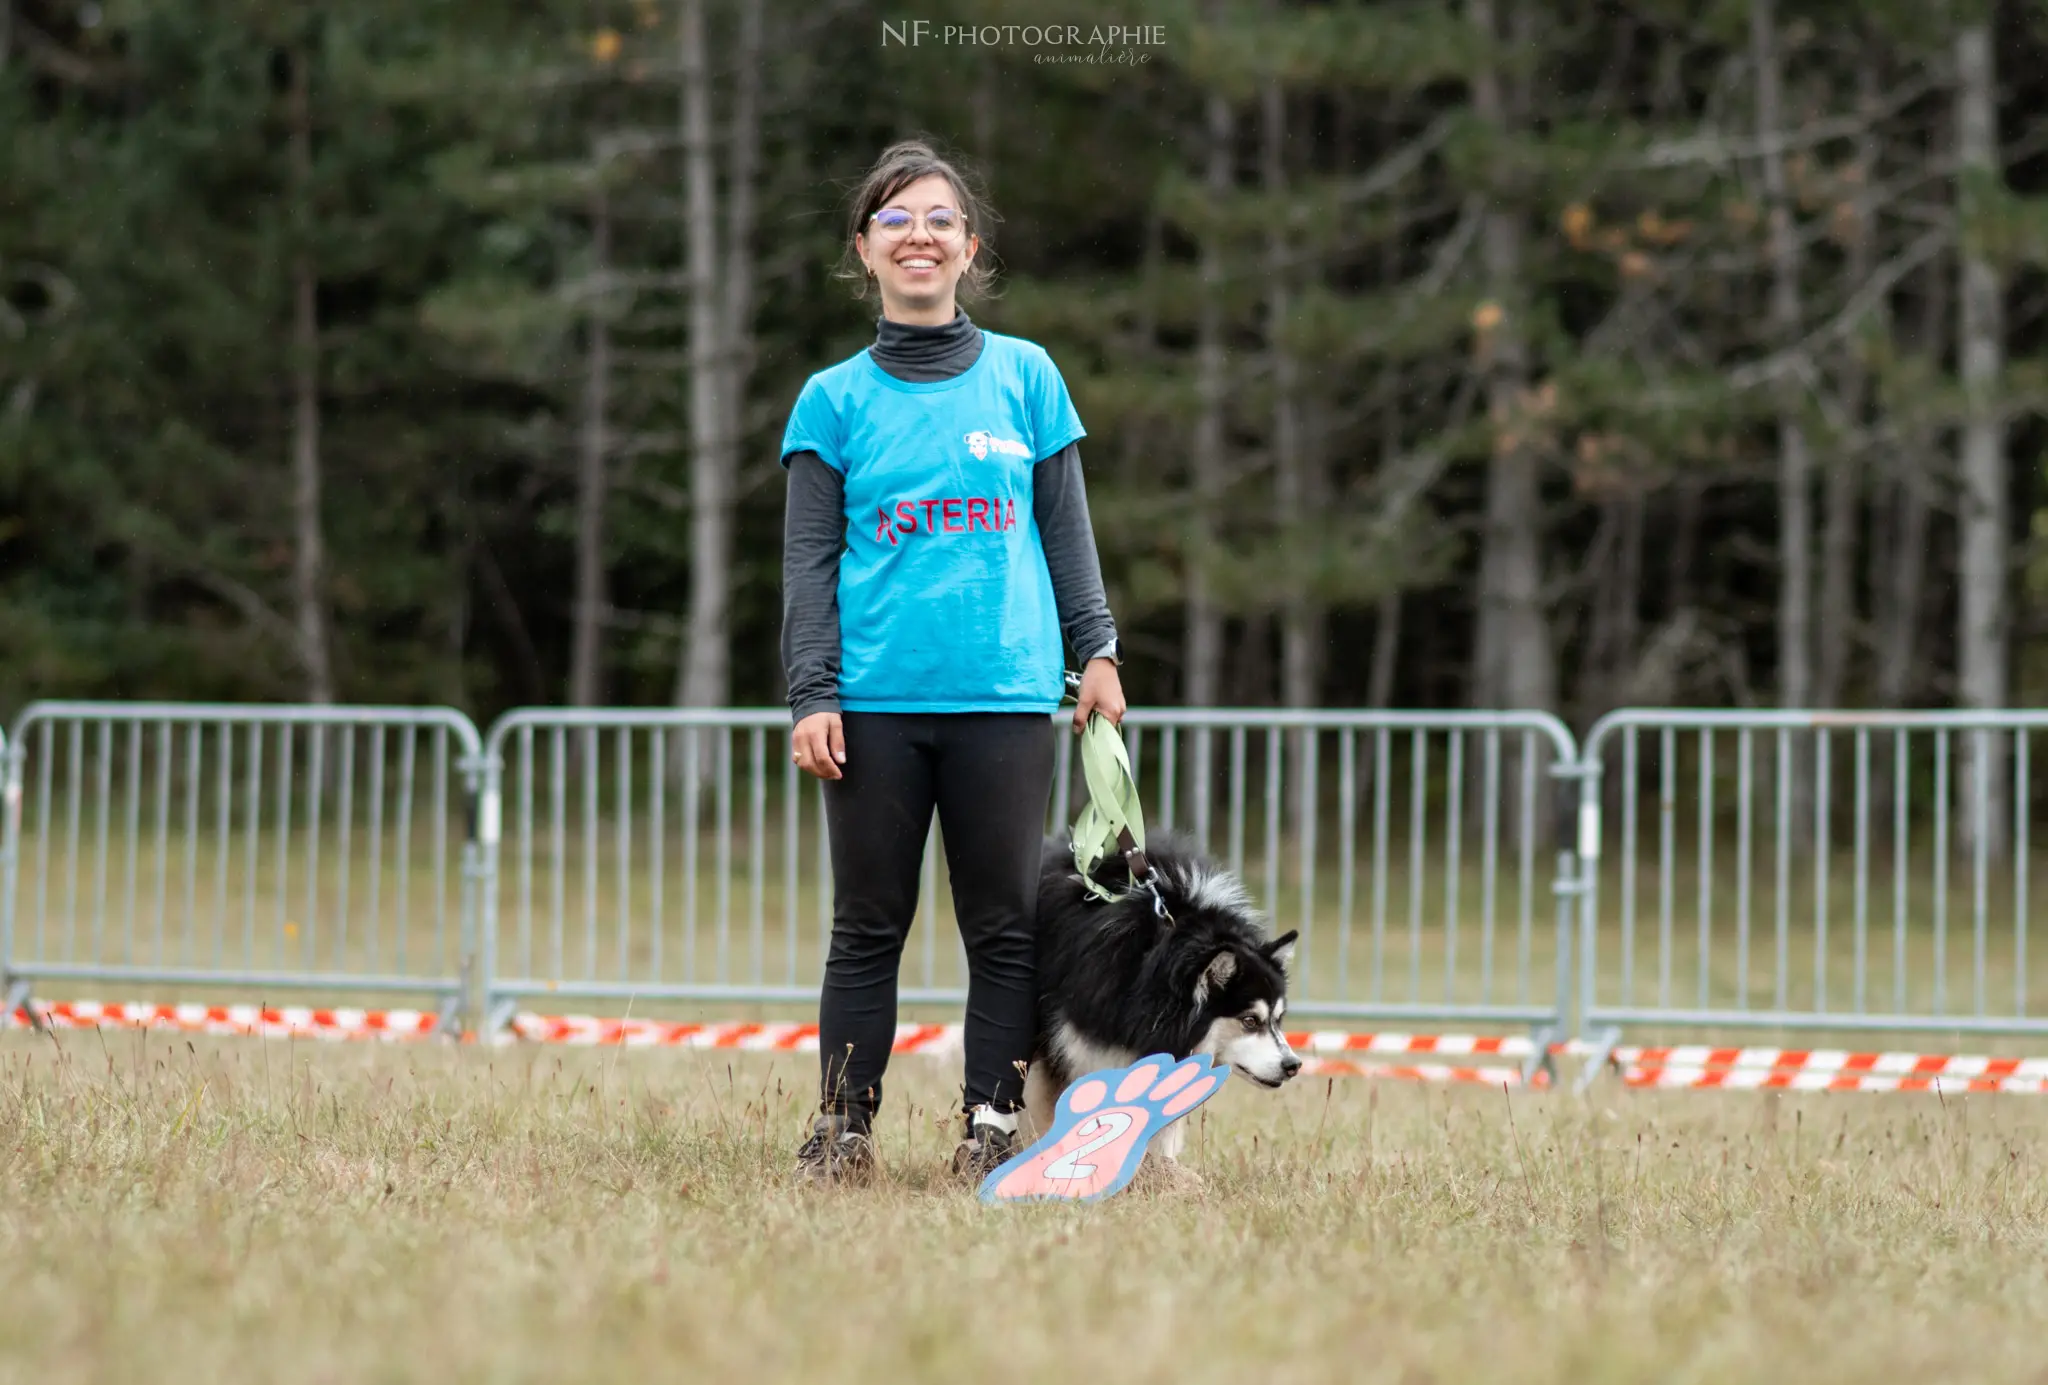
{"x":1117,"y":981}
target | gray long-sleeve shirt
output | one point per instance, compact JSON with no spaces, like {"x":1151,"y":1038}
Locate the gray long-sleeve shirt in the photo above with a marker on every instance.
{"x":814,"y":530}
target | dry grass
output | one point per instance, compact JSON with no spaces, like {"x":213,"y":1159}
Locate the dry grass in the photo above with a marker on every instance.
{"x":265,"y":1211}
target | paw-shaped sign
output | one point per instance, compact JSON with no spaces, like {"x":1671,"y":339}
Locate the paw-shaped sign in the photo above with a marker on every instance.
{"x":1100,"y":1129}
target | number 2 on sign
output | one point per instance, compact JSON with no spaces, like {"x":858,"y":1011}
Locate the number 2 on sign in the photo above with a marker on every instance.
{"x":1110,"y":1126}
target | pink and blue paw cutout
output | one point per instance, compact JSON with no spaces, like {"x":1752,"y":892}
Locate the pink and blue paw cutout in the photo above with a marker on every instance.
{"x":1100,"y":1129}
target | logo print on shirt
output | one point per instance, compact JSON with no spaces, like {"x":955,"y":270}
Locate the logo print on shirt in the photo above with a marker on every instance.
{"x":981,"y":442}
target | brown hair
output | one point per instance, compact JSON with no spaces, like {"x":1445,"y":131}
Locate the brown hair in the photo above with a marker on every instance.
{"x":900,"y":165}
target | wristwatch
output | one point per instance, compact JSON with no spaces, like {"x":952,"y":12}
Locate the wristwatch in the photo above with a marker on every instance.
{"x":1113,"y":651}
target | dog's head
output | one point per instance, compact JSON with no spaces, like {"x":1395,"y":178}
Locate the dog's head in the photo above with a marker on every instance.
{"x":1239,"y":997}
{"x":1231,"y":977}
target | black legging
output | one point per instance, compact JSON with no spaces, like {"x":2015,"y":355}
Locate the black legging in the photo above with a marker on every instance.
{"x":989,"y":775}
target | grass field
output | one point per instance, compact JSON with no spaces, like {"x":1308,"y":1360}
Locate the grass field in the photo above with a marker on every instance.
{"x":257,"y":1211}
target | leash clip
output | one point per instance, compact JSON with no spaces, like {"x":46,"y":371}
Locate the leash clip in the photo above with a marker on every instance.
{"x":1158,"y":901}
{"x":1143,"y":876}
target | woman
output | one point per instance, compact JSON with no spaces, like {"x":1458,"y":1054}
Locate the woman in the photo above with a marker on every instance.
{"x":937,"y":545}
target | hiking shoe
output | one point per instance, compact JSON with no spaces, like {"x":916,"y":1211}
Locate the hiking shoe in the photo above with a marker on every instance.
{"x":986,"y":1147}
{"x":838,"y":1151}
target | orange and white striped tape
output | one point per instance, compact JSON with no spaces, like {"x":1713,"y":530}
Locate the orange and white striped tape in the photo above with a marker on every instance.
{"x":585,"y":1030}
{"x":1421,"y":1072}
{"x":947,"y":1038}
{"x":1765,"y":1080}
{"x":1335,"y":1041}
{"x":266,"y":1021}
{"x":1832,"y":1061}
{"x":1331,"y":1053}
{"x":1697,"y":1067}
{"x":748,"y":1037}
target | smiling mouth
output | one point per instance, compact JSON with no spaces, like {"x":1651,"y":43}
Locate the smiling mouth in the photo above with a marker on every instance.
{"x":1267,"y":1082}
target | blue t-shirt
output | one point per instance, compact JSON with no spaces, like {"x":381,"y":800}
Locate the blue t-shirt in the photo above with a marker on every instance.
{"x":945,"y":601}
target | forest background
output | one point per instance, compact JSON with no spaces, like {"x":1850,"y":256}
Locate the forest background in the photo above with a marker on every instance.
{"x":1506,"y":353}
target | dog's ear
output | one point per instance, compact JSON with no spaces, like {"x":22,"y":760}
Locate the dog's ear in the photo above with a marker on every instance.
{"x":1215,"y":976}
{"x":1281,"y":949}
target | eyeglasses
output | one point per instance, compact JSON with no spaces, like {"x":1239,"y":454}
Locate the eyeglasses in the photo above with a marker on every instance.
{"x":941,"y":222}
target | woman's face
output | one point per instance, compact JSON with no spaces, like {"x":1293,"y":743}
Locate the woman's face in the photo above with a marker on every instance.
{"x":917,"y":268}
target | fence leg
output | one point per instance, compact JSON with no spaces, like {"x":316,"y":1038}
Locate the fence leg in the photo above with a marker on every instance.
{"x":473,"y":998}
{"x":479,"y":857}
{"x":486,"y":1017}
{"x":1566,"y":886}
{"x":499,"y":1020}
{"x":448,"y":1019}
{"x":1597,"y":1061}
{"x":1539,"y":1059}
{"x":18,"y":999}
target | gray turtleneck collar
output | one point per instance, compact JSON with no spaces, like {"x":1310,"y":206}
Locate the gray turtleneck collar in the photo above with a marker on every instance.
{"x":921,"y":355}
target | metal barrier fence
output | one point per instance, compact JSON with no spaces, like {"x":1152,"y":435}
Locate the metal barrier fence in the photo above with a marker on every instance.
{"x":240,"y":847}
{"x":1809,"y":871}
{"x":657,"y":856}
{"x":1733,"y":871}
{"x":605,"y":882}
{"x":1437,"y":827}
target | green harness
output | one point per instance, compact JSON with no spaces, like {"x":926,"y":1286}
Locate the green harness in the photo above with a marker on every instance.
{"x":1113,"y":820}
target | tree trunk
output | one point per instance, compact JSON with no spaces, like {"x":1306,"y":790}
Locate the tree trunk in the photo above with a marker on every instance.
{"x":1679,"y":581}
{"x":1202,"y":645}
{"x":1906,"y":608}
{"x":1301,"y":623}
{"x":308,"y":569}
{"x":737,"y":331}
{"x":1516,"y":665}
{"x":503,"y":605}
{"x":1981,"y":638}
{"x":1248,"y":677}
{"x":459,"y":596}
{"x":1131,"y":453}
{"x":1902,"y":591}
{"x":586,"y":674}
{"x":1628,"y":616}
{"x":1305,"y":630}
{"x":1203,"y":652}
{"x":1838,"y":566}
{"x":1795,"y":466}
{"x":702,"y":680}
{"x":1386,"y":631}
{"x":720,"y":344}
{"x":1612,"y":651}
{"x":1386,"y":644}
{"x":1301,"y":636}
{"x":1838,"y":618}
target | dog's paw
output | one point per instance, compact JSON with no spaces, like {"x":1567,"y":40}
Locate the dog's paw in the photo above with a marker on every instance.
{"x":1098,"y":1136}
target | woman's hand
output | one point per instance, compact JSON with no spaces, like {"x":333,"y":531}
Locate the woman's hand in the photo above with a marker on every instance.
{"x":1101,"y":691}
{"x":818,"y":745}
